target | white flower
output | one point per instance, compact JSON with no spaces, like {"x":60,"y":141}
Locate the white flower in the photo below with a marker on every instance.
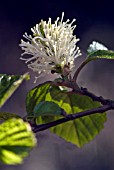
{"x":51,"y":46}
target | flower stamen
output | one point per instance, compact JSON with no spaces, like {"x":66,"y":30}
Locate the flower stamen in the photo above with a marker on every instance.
{"x":51,"y":45}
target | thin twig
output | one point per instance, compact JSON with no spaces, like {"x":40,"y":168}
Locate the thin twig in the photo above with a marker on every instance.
{"x":106,"y":105}
{"x":100,"y":99}
{"x":79,"y":69}
{"x":82,"y":91}
{"x":70,"y":117}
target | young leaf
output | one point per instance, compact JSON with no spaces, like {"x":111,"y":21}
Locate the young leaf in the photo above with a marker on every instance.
{"x":97,"y":51}
{"x":101,"y":54}
{"x":8,"y":84}
{"x":16,"y":140}
{"x":45,"y":108}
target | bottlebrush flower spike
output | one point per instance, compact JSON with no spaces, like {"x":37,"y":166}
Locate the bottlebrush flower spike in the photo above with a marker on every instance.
{"x":52,"y":46}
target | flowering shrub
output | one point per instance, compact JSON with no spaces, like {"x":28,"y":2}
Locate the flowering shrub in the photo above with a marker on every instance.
{"x":62,"y":106}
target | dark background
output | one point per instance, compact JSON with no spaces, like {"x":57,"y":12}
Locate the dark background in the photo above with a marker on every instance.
{"x":95,"y":21}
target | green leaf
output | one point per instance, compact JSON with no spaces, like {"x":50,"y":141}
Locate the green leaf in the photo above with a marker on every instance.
{"x":101,"y":54}
{"x":16,"y":141}
{"x":79,"y":131}
{"x":82,"y":130}
{"x":8,"y":84}
{"x":6,"y":115}
{"x":47,"y":108}
{"x":35,"y":96}
{"x":99,"y":51}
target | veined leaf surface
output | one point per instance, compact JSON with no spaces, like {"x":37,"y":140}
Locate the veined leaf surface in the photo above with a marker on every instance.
{"x":8,"y":84}
{"x":79,"y":131}
{"x":16,"y":140}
